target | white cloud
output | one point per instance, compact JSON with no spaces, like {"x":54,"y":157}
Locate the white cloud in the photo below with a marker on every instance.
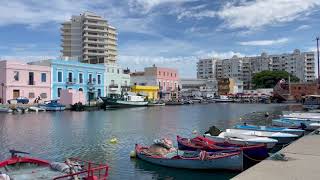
{"x":196,"y":15}
{"x":259,"y":13}
{"x":147,"y":5}
{"x":303,"y":27}
{"x":264,"y":42}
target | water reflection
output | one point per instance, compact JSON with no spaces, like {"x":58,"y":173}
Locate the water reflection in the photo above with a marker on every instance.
{"x":58,"y":135}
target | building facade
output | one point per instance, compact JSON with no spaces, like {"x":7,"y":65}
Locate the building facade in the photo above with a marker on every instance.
{"x":206,"y":68}
{"x":300,"y":64}
{"x":18,"y":79}
{"x":151,"y":92}
{"x":73,"y":75}
{"x":166,"y":78}
{"x":229,"y":86}
{"x":199,"y":87}
{"x":89,"y":38}
{"x":117,"y":80}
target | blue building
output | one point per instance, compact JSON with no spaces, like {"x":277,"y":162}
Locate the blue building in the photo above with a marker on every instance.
{"x":88,"y":78}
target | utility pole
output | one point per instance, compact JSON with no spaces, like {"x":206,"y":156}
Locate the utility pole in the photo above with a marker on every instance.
{"x":318,"y":58}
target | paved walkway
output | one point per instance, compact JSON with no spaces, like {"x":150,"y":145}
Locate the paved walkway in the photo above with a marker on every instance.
{"x":303,"y":163}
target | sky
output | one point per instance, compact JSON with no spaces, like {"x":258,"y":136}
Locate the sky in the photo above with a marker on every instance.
{"x":167,"y":33}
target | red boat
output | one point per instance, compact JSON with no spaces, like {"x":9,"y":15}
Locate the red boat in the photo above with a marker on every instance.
{"x":18,"y":167}
{"x":256,"y":152}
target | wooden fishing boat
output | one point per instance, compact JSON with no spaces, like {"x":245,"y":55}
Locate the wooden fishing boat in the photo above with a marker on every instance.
{"x":52,"y":105}
{"x":18,"y":167}
{"x":283,"y":138}
{"x":298,"y":132}
{"x":257,"y":152}
{"x":231,"y":160}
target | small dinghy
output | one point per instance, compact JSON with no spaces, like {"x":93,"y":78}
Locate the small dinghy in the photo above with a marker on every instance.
{"x":298,"y":132}
{"x":18,"y":167}
{"x":283,"y":138}
{"x":257,"y":152}
{"x":232,"y":160}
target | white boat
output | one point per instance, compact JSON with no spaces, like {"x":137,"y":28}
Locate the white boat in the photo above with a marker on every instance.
{"x":295,"y":131}
{"x":305,"y":116}
{"x":296,"y":123}
{"x":222,"y":99}
{"x":5,"y":110}
{"x":236,"y":138}
{"x":36,"y":109}
{"x":283,"y":138}
{"x":127,"y":100}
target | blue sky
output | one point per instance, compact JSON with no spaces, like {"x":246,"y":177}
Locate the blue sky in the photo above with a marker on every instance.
{"x":172,"y":33}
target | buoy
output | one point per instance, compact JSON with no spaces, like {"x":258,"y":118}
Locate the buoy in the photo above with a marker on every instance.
{"x":133,"y":154}
{"x":113,"y":140}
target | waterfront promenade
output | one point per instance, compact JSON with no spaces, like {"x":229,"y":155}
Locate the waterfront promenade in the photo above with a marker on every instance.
{"x":303,"y":162}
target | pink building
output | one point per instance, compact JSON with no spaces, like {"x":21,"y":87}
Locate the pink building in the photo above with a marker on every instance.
{"x":18,"y":79}
{"x":166,"y":78}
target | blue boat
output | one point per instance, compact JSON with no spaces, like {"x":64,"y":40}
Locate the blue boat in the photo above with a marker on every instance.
{"x":298,"y":132}
{"x":296,"y":123}
{"x":53,"y":105}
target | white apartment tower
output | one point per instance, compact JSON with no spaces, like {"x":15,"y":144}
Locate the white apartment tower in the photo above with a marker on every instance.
{"x":300,"y":64}
{"x":89,"y":38}
{"x":206,"y":68}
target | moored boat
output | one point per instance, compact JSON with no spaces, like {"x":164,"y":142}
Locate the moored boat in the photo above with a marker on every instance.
{"x":36,"y":109}
{"x":241,"y":139}
{"x":295,"y":131}
{"x":52,"y":105}
{"x":232,"y":160}
{"x":24,"y":167}
{"x":222,"y":99}
{"x":296,"y":123}
{"x":283,"y":138}
{"x":5,"y":110}
{"x":127,"y":100}
{"x":257,"y":152}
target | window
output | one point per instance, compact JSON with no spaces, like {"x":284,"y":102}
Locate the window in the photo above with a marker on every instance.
{"x":90,"y":78}
{"x":59,"y":92}
{"x":70,"y":76}
{"x":164,"y":73}
{"x":112,"y":82}
{"x":159,"y":72}
{"x":59,"y":76}
{"x":16,"y":75}
{"x":31,"y":78}
{"x":43,"y":77}
{"x":99,"y":79}
{"x":118,"y":71}
{"x":112,"y":70}
{"x":99,"y":92}
{"x":126,"y":83}
{"x":80,"y":78}
{"x":80,"y":89}
{"x":171,"y":74}
{"x":31,"y":95}
{"x":43,"y":95}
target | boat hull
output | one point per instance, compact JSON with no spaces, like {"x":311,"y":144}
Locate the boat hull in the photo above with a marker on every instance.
{"x":52,"y":108}
{"x":310,"y":125}
{"x":254,"y":141}
{"x":229,"y":162}
{"x":257,"y":152}
{"x":113,"y":103}
{"x":298,"y":132}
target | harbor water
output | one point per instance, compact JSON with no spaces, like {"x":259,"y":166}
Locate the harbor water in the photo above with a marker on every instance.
{"x":57,"y":135}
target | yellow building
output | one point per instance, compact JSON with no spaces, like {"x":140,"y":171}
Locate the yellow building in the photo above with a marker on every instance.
{"x":150,"y":91}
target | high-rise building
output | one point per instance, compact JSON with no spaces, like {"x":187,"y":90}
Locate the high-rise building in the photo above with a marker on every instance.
{"x":300,"y":64}
{"x":206,"y":68}
{"x":89,"y":38}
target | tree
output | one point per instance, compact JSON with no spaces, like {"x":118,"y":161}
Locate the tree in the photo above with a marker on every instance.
{"x":268,"y":79}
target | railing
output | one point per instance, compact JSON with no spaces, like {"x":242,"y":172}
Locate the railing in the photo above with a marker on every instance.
{"x":92,"y":81}
{"x":71,"y":81}
{"x":113,"y":86}
{"x":92,"y":171}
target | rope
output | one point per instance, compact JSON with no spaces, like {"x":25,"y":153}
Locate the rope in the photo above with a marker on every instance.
{"x":257,"y":160}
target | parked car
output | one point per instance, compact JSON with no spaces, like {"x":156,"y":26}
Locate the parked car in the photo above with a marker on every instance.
{"x":22,"y":100}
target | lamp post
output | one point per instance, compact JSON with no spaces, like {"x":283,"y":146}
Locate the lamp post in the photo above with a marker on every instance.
{"x":2,"y":99}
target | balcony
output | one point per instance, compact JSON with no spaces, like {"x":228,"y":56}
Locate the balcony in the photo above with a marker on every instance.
{"x":91,"y":82}
{"x":70,"y":81}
